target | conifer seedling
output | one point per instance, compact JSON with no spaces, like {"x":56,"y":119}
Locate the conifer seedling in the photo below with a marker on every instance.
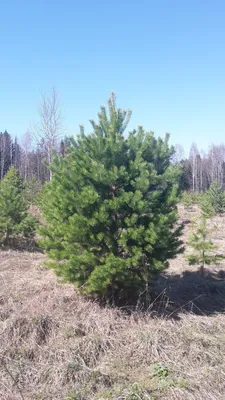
{"x":204,"y":249}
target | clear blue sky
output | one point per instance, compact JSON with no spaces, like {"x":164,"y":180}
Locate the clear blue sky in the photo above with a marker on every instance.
{"x":165,"y":59}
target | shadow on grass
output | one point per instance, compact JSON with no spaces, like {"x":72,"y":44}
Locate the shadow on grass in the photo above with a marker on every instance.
{"x":172,"y":295}
{"x":21,"y":244}
{"x":189,"y":292}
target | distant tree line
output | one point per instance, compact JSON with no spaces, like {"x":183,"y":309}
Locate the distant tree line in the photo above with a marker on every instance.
{"x":33,"y":153}
{"x":201,"y":169}
{"x":30,"y":162}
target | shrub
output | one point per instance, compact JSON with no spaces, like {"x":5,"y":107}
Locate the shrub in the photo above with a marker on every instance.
{"x":110,"y":210}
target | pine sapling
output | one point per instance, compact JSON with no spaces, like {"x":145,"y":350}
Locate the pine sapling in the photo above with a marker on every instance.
{"x":204,"y":250}
{"x":14,"y":216}
{"x":213,"y":201}
{"x":110,"y":210}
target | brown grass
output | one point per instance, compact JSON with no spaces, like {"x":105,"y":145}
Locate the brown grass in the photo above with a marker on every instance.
{"x":56,"y":345}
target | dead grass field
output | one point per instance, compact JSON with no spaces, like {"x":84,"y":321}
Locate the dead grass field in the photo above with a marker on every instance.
{"x":56,"y":345}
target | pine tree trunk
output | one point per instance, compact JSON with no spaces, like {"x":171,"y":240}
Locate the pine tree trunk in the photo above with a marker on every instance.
{"x":202,"y":270}
{"x":6,"y":238}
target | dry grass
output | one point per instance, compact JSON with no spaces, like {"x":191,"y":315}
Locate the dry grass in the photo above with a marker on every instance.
{"x":56,"y":345}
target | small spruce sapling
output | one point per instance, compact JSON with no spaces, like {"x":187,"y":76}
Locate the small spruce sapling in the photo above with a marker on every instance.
{"x":203,"y":246}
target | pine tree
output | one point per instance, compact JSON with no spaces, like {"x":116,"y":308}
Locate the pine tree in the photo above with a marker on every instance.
{"x":32,"y":188}
{"x":14,"y":218}
{"x":213,"y":201}
{"x":203,"y":246}
{"x":110,"y":210}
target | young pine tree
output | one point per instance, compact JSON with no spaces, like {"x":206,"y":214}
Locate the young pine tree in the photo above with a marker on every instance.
{"x":14,"y":218}
{"x":213,"y":201}
{"x":110,"y":210}
{"x":203,"y":246}
{"x":32,"y":188}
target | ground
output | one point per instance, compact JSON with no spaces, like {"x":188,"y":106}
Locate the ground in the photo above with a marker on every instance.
{"x":56,"y":345}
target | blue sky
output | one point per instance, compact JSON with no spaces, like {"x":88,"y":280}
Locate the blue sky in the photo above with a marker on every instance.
{"x":165,"y":59}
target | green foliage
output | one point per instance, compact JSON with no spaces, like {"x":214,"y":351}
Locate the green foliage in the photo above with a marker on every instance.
{"x":189,"y":199}
{"x":110,"y":210}
{"x":213,"y":201}
{"x":203,"y":246}
{"x":14,"y":218}
{"x":160,"y":371}
{"x":28,"y":226}
{"x":32,"y":188}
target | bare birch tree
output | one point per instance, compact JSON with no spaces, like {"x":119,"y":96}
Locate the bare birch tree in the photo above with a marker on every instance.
{"x":49,"y":130}
{"x":216,"y":157}
{"x":179,"y":154}
{"x":201,"y":170}
{"x":26,"y":146}
{"x":193,"y":158}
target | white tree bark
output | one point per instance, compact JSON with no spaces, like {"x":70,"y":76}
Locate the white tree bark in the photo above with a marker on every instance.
{"x":49,"y":129}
